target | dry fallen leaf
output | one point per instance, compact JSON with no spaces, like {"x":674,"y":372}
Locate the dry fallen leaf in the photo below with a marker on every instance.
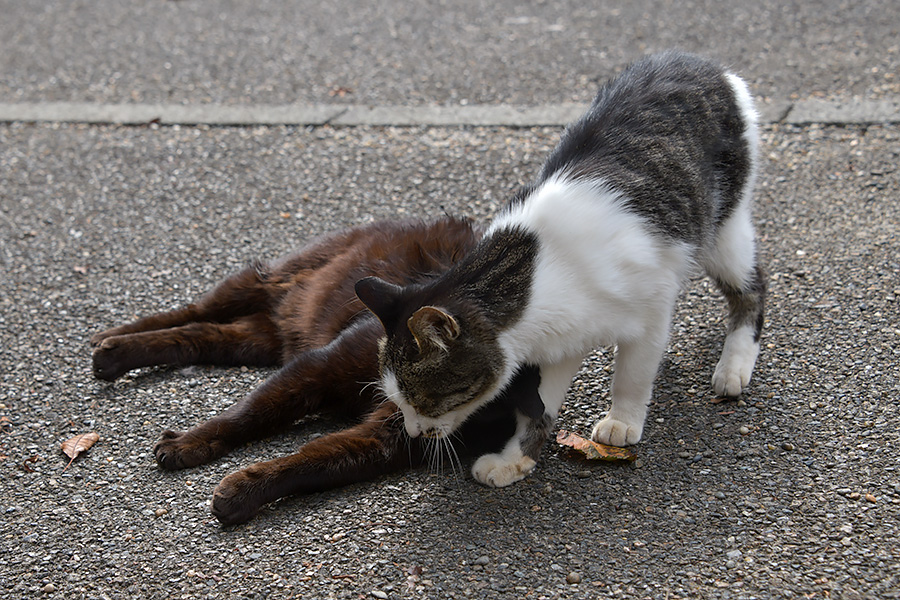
{"x":340,"y":91}
{"x":592,"y":450}
{"x":78,"y":444}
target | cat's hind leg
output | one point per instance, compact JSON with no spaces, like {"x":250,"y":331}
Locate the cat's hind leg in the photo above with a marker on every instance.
{"x":251,"y":341}
{"x":735,"y":270}
{"x":746,"y":306}
{"x":241,"y":294}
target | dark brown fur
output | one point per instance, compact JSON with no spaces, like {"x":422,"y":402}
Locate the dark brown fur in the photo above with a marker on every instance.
{"x":301,"y":313}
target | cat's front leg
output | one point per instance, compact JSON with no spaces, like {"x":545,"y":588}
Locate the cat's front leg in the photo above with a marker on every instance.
{"x":376,"y":446}
{"x":519,"y":457}
{"x":326,"y":379}
{"x":183,"y":450}
{"x":501,"y":470}
{"x":636,"y":367}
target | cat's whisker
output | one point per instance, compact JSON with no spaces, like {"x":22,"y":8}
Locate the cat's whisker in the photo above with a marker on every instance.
{"x":439,"y":453}
{"x":385,"y":397}
{"x":366,"y":386}
{"x":453,"y":458}
{"x":438,"y":456}
{"x":429,"y":454}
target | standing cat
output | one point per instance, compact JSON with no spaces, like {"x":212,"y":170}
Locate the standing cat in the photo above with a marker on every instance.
{"x":302,"y":313}
{"x":654,"y":180}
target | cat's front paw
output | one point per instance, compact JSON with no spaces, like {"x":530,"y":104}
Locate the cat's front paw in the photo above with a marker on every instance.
{"x":235,"y":500}
{"x":177,"y":450}
{"x":614,"y":432}
{"x":108,"y":359}
{"x":496,"y":470}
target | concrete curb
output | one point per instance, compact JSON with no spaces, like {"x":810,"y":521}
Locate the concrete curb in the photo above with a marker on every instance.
{"x":856,"y":111}
{"x":804,"y":112}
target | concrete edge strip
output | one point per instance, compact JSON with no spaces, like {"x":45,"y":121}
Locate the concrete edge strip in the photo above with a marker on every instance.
{"x":803,"y":112}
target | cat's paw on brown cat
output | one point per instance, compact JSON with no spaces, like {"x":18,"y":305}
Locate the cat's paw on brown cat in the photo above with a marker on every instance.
{"x":501,"y":470}
{"x":182,"y":450}
{"x":235,"y":500}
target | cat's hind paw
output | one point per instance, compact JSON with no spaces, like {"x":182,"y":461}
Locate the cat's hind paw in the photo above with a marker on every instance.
{"x":497,"y":470}
{"x":733,"y":372}
{"x":614,"y":432}
{"x":177,"y":450}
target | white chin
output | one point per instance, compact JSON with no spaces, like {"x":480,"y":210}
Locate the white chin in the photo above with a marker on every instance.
{"x":412,"y":429}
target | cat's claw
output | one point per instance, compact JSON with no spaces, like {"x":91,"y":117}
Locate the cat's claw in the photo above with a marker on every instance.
{"x":177,"y":450}
{"x":614,"y":432}
{"x":233,"y":500}
{"x":496,"y":470}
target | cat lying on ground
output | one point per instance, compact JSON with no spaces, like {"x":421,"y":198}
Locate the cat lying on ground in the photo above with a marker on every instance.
{"x":477,"y":334}
{"x":302,"y":313}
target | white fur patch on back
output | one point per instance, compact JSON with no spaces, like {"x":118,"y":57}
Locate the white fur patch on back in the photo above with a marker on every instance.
{"x":751,"y":130}
{"x":600,"y":275}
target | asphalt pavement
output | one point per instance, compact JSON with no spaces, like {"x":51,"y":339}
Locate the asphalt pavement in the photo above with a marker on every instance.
{"x":792,"y":491}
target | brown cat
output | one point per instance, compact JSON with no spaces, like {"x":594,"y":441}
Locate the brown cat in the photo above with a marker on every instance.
{"x":302,"y":313}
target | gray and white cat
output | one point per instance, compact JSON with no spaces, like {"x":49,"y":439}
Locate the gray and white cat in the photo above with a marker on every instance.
{"x":653,"y":181}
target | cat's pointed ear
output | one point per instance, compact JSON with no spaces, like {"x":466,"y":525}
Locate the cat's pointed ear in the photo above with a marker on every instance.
{"x":432,"y":328}
{"x":382,"y":298}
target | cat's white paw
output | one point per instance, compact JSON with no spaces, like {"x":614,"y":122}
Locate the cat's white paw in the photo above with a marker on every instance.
{"x":496,"y":470}
{"x":730,"y":380}
{"x":614,"y":432}
{"x":733,"y":372}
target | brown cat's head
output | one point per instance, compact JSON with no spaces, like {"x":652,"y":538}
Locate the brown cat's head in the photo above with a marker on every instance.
{"x":440,"y":360}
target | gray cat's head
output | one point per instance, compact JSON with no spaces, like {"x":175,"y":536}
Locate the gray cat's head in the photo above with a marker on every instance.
{"x":440,"y":360}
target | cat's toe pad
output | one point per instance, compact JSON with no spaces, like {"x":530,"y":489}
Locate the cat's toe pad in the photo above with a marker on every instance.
{"x":496,"y":470}
{"x":614,"y":432}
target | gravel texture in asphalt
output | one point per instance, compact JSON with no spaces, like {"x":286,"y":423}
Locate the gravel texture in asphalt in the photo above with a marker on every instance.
{"x":433,"y":52}
{"x":790,"y":491}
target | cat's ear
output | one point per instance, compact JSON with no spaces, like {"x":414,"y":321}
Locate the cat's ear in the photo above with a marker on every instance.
{"x":382,"y":298}
{"x":432,"y":328}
